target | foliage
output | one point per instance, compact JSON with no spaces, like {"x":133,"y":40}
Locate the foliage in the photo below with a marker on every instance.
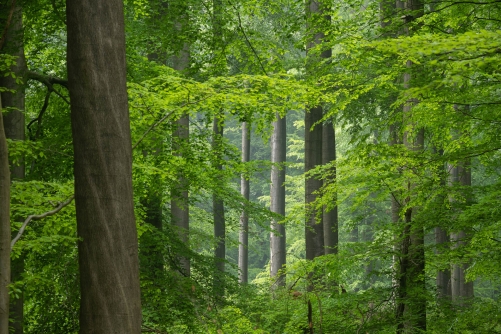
{"x":249,"y":69}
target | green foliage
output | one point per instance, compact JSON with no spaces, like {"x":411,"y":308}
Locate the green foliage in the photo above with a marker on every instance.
{"x":249,"y":68}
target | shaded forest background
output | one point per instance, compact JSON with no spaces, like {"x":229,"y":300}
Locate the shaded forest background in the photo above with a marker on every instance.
{"x":318,"y":167}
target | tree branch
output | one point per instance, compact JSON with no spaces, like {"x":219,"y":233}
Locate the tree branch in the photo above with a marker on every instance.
{"x":36,"y":217}
{"x":40,"y":116}
{"x":247,"y":40}
{"x":47,"y":80}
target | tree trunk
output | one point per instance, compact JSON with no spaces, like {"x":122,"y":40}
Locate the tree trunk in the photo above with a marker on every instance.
{"x":443,"y":278}
{"x":330,"y":217}
{"x":218,"y":212}
{"x":14,"y":126}
{"x":277,"y":196}
{"x":108,"y":252}
{"x":180,"y":207}
{"x":217,"y":130}
{"x":314,"y":232}
{"x":461,"y":290}
{"x":4,"y":229}
{"x":243,"y":238}
{"x":411,"y":300}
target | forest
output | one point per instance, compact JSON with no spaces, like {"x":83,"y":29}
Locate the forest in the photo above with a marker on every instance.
{"x":250,"y":166}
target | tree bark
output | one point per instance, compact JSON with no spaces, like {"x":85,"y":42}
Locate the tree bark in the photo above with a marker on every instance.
{"x":330,"y":217}
{"x":217,"y":131}
{"x":5,"y":233}
{"x":314,"y":232}
{"x":277,"y":195}
{"x":14,"y":125}
{"x":443,"y":278}
{"x":243,"y":238}
{"x":108,"y":252}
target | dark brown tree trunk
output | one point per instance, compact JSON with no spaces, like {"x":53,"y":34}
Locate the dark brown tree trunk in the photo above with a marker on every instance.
{"x":4,"y":229}
{"x":180,"y":207}
{"x":108,"y":251}
{"x":13,"y":102}
{"x":243,"y":238}
{"x":330,"y":217}
{"x":314,"y":231}
{"x":443,"y":278}
{"x":277,"y":196}
{"x":217,"y":131}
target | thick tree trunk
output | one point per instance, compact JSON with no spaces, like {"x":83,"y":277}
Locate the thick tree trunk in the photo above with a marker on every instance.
{"x":243,"y":237}
{"x":330,"y":217}
{"x":218,"y":212}
{"x":108,"y":251}
{"x":4,"y":229}
{"x":14,"y":104}
{"x":277,"y":195}
{"x":180,"y":207}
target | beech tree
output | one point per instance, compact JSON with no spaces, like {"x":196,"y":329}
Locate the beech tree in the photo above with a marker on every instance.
{"x":4,"y":228}
{"x":243,"y":239}
{"x":13,"y":100}
{"x":277,"y":195}
{"x":314,"y":230}
{"x":108,"y":251}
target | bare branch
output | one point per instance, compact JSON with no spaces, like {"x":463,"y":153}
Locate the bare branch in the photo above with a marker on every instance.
{"x":247,"y":40}
{"x":40,"y":117}
{"x":47,"y":80}
{"x":36,"y":217}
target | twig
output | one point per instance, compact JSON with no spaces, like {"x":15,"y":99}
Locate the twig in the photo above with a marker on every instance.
{"x":40,"y":117}
{"x":36,"y":217}
{"x":247,"y":40}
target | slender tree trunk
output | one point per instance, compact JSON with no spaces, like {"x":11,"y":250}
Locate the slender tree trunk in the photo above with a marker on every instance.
{"x":443,"y":279}
{"x":4,"y":229}
{"x":218,"y":211}
{"x":330,"y":217}
{"x":243,"y":238}
{"x":217,"y":130}
{"x":443,"y":276}
{"x":411,"y":307}
{"x":14,"y":124}
{"x":180,"y":207}
{"x":108,"y":252}
{"x":277,"y":195}
{"x":314,"y":232}
{"x":411,"y":301}
{"x":461,"y":290}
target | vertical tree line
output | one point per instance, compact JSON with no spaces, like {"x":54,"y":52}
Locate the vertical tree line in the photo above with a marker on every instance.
{"x":108,"y":250}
